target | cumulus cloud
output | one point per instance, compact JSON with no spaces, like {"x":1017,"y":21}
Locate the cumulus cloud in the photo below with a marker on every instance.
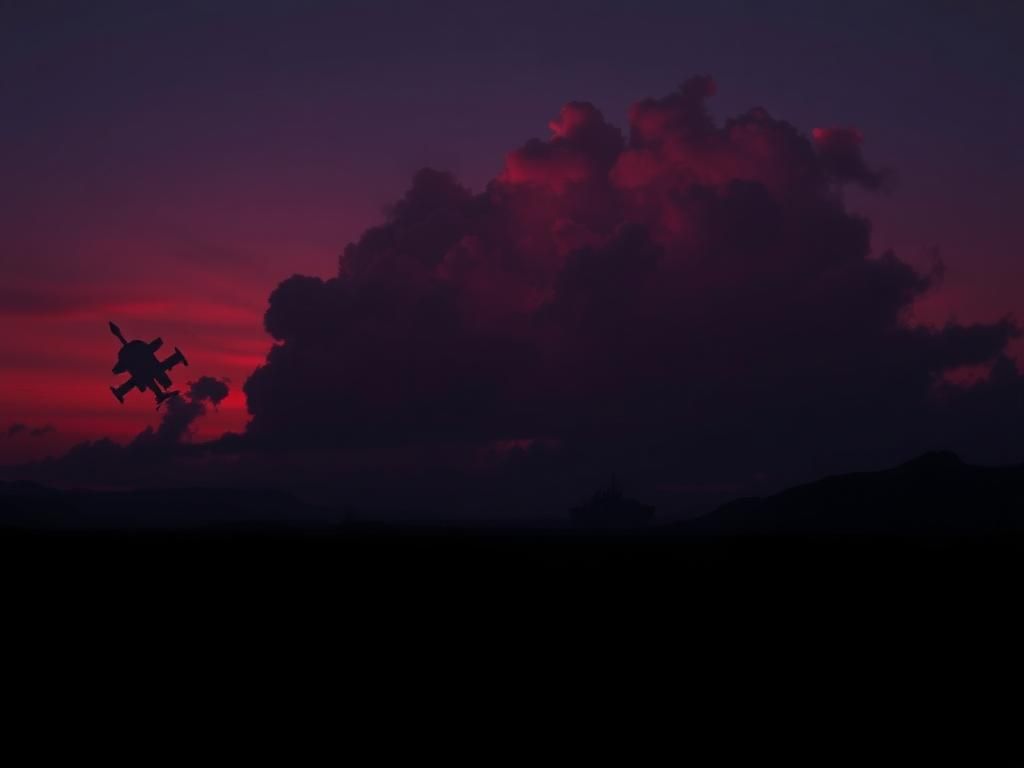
{"x":159,"y":456}
{"x":840,"y":155}
{"x":180,"y":413}
{"x":692,"y":300}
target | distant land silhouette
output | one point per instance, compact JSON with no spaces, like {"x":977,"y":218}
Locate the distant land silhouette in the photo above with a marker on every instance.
{"x":609,"y":508}
{"x":936,"y":494}
{"x":934,"y":536}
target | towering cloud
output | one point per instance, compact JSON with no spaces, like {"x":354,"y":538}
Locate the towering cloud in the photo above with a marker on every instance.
{"x":690,"y":301}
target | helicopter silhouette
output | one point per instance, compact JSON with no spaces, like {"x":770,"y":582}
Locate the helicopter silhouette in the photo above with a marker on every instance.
{"x":138,"y":358}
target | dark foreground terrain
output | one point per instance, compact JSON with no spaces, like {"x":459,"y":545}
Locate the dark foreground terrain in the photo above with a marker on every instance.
{"x":862,"y":590}
{"x":934,"y":529}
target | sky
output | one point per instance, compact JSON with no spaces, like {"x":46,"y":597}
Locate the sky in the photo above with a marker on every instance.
{"x":166,"y":166}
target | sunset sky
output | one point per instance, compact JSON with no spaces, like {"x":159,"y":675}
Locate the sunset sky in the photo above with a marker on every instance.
{"x":166,"y":165}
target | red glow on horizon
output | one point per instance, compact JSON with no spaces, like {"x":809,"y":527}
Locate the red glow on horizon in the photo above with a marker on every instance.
{"x":57,"y":365}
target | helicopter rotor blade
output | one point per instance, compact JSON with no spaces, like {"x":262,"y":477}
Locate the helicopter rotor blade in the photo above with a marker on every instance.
{"x":117,"y":332}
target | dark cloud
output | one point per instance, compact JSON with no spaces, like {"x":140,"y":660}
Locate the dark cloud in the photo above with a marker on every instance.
{"x":693,"y":302}
{"x":841,"y":158}
{"x":689,"y":306}
{"x":207,"y":388}
{"x":181,"y":412}
{"x":161,"y":456}
{"x":18,"y":428}
{"x":582,"y":148}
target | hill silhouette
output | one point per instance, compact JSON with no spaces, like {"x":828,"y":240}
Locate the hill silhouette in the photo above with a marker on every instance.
{"x":936,"y":494}
{"x":28,"y":507}
{"x":609,"y":508}
{"x":932,"y":533}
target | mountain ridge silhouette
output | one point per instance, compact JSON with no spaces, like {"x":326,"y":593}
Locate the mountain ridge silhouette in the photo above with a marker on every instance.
{"x":936,"y":493}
